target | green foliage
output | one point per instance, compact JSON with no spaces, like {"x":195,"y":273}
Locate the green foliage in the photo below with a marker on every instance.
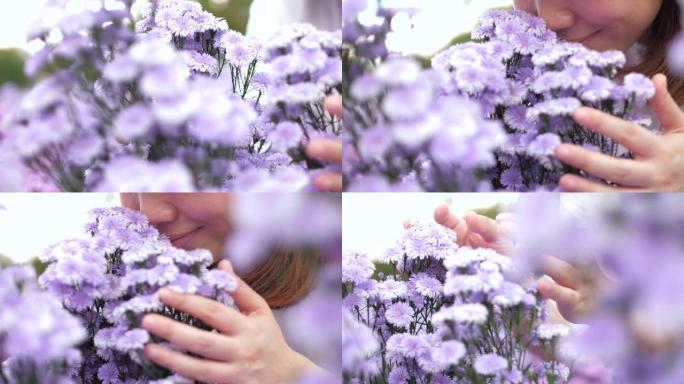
{"x":12,"y":67}
{"x":236,"y":12}
{"x":5,"y":261}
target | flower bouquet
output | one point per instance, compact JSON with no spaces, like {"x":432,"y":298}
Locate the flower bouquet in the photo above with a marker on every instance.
{"x":487,"y":115}
{"x":38,"y":338}
{"x":110,"y":280}
{"x":431,"y":312}
{"x":171,"y":101}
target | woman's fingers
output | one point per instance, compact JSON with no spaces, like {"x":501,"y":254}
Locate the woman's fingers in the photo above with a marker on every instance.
{"x":248,"y":300}
{"x":184,"y":365}
{"x":637,"y":139}
{"x":226,"y":266}
{"x":210,"y":345}
{"x":574,"y":183}
{"x":622,"y":171}
{"x":445,"y":217}
{"x":333,"y":104}
{"x":562,"y":272}
{"x":566,"y":299}
{"x":325,"y":150}
{"x":328,"y":182}
{"x":483,"y":226}
{"x":220,"y":317}
{"x":666,"y":109}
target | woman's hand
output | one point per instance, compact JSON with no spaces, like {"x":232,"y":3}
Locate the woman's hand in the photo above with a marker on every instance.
{"x":572,"y":289}
{"x":478,"y":231}
{"x":659,"y":163}
{"x":328,"y":151}
{"x":248,"y":346}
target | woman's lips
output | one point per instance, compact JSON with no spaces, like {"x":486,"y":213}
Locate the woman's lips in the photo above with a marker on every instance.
{"x":181,"y":240}
{"x":584,"y":39}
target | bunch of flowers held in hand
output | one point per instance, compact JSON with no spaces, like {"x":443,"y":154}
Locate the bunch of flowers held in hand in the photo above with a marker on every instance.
{"x":630,"y":250}
{"x":431,"y":312}
{"x":525,"y":83}
{"x":400,"y":133}
{"x":176,"y":99}
{"x":38,"y":338}
{"x":110,"y":281}
{"x":523,"y":75}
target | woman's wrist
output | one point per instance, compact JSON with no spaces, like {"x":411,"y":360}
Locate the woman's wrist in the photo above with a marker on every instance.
{"x":298,"y":366}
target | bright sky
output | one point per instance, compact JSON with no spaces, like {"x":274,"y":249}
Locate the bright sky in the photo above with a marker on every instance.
{"x":439,"y":22}
{"x":31,"y":222}
{"x":372,"y":222}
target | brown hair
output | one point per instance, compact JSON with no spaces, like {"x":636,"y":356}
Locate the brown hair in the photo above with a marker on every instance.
{"x":663,"y":30}
{"x":286,"y":276}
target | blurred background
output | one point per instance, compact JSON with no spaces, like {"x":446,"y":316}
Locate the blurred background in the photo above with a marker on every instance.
{"x":29,"y":222}
{"x":439,"y":23}
{"x":16,"y":19}
{"x":372,"y":222}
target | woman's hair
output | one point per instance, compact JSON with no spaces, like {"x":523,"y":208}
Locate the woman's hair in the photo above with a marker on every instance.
{"x":663,"y":30}
{"x":286,"y":276}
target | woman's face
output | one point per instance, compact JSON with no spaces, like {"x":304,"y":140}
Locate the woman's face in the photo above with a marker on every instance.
{"x":597,"y":24}
{"x":189,"y":220}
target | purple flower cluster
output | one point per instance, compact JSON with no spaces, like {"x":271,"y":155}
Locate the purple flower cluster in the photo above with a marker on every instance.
{"x":438,"y":313}
{"x":634,"y":333}
{"x":303,"y":65}
{"x":524,"y":76}
{"x":38,"y":338}
{"x":110,"y":281}
{"x":401,"y":133}
{"x":184,"y":95}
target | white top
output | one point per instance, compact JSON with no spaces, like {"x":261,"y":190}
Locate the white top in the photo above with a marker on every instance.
{"x":267,"y":16}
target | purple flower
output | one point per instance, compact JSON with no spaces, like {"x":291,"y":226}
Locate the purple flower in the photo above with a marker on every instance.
{"x":640,"y":86}
{"x":220,"y":280}
{"x":132,"y":174}
{"x":558,"y":107}
{"x":544,"y":145}
{"x":399,"y":314}
{"x":120,"y":70}
{"x":490,"y":364}
{"x":286,"y":135}
{"x":132,"y":340}
{"x":463,"y":313}
{"x":240,"y":54}
{"x":133,"y":122}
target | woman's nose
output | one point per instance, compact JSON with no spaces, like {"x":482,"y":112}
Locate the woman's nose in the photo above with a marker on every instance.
{"x":157,"y":208}
{"x":556,"y":14}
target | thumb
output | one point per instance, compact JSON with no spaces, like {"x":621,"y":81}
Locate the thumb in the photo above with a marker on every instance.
{"x":666,"y":109}
{"x":566,"y":299}
{"x":246,"y":299}
{"x":333,"y":104}
{"x":483,"y":226}
{"x":444,"y":217}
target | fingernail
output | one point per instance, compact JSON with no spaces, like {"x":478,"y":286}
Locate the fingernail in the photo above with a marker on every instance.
{"x":150,"y":350}
{"x":148,"y":321}
{"x":165,"y":294}
{"x":581,"y":113}
{"x":564,"y":151}
{"x":315,"y":150}
{"x":567,"y":184}
{"x":225,"y":266}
